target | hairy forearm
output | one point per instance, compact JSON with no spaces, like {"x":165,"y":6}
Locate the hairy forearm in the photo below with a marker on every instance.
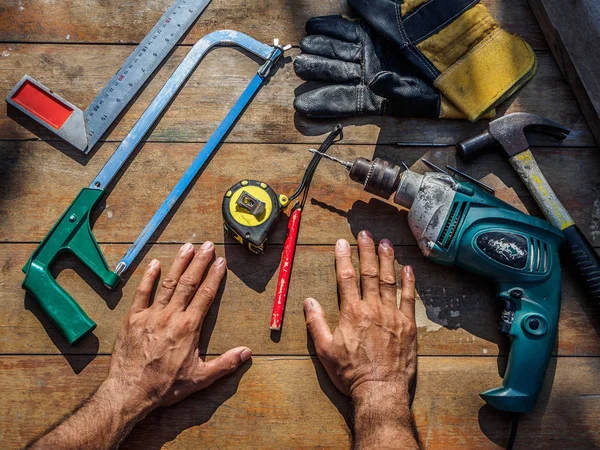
{"x":102,"y":422}
{"x":382,"y":419}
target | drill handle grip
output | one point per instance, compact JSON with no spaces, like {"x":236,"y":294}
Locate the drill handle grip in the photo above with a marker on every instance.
{"x":524,"y":376}
{"x":585,"y":260}
{"x":532,"y":336}
{"x":468,"y":149}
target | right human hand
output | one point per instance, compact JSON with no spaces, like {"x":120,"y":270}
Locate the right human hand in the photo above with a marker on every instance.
{"x":372,"y":354}
{"x":375,"y":342}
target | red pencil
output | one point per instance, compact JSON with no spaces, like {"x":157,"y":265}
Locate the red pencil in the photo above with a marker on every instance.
{"x":285,"y":269}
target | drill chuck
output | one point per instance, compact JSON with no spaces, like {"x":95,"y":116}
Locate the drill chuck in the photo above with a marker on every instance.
{"x":378,"y":177}
{"x":382,"y":178}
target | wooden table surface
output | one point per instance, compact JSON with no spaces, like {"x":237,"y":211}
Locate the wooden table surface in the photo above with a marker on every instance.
{"x":284,"y":398}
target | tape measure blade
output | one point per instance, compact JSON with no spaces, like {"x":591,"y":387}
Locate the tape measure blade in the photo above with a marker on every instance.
{"x":139,"y":66}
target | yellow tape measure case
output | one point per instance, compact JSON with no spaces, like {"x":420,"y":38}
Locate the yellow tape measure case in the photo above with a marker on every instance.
{"x":250,"y":210}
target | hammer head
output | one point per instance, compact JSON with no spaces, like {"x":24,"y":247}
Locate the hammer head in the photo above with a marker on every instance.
{"x":508,"y":133}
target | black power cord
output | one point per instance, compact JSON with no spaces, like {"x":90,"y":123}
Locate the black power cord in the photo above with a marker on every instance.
{"x":314,"y":162}
{"x":513,"y":432}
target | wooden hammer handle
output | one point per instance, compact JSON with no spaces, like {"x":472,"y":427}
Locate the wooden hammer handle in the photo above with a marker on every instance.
{"x":534,"y":179}
{"x":584,"y":258}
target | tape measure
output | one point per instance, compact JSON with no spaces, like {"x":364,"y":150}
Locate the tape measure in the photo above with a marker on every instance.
{"x":251,"y":210}
{"x":83,"y":129}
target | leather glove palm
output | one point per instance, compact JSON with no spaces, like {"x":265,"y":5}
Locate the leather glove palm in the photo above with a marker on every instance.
{"x":363,"y":72}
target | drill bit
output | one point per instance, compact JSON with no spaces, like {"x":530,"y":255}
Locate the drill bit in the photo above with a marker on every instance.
{"x":346,"y":164}
{"x":472,"y":180}
{"x":434,"y":167}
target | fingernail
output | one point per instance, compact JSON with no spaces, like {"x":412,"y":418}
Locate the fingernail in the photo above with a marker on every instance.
{"x":207,"y":245}
{"x":366,"y":234}
{"x":186,"y":248}
{"x":386,"y":243}
{"x":153,"y":264}
{"x":408,"y":270}
{"x":220,"y":261}
{"x":245,"y":355}
{"x":342,"y":244}
{"x":309,"y":303}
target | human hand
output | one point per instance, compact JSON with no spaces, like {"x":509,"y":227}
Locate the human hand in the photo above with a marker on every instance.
{"x":156,"y":357}
{"x":372,"y":354}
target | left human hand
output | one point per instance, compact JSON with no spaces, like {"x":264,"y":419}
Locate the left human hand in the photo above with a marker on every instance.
{"x":156,"y":357}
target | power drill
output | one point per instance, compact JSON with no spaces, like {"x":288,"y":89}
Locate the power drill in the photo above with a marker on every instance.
{"x":459,"y":224}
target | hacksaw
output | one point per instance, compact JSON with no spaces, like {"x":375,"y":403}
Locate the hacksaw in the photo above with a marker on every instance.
{"x":73,"y":233}
{"x":83,"y":129}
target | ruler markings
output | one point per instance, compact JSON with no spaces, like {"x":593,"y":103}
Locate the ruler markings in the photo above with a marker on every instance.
{"x":138,"y":67}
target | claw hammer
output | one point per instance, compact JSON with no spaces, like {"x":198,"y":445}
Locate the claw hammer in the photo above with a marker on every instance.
{"x":508,"y":134}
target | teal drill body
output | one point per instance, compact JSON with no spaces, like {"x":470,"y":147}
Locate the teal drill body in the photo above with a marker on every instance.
{"x":460,"y":224}
{"x":490,"y":238}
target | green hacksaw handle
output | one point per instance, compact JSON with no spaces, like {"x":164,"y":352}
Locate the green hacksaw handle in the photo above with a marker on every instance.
{"x":72,"y":233}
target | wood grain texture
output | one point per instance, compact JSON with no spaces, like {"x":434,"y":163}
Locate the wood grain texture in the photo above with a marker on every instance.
{"x":305,"y":411}
{"x":457,"y":313}
{"x":112,"y":21}
{"x":572,"y":31}
{"x":337,"y":208}
{"x":78,"y":72}
{"x":74,"y":46}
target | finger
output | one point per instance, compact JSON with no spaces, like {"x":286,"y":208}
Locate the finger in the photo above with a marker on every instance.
{"x":318,"y":68}
{"x":205,"y":295}
{"x":387,"y":273}
{"x":338,"y":101}
{"x":169,"y":283}
{"x":331,"y":48}
{"x":223,"y":365}
{"x":336,"y":27}
{"x":191,"y":278}
{"x":368,"y":266}
{"x":144,"y":289}
{"x":407,"y":298}
{"x":317,"y":326}
{"x":346,"y":275}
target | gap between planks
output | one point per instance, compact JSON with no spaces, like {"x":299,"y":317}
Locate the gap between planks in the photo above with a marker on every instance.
{"x":361,"y":144}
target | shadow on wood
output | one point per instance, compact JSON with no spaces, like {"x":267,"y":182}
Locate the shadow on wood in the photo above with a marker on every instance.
{"x":255,"y":271}
{"x":165,"y":424}
{"x":85,"y":350}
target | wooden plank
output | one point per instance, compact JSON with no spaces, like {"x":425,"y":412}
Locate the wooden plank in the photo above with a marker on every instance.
{"x":127,"y":22}
{"x":37,"y":183}
{"x":571,"y":31}
{"x":304,"y":410}
{"x":78,"y":72}
{"x":457,"y":312}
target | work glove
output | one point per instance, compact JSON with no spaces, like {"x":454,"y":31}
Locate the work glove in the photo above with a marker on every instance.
{"x":365,"y":74}
{"x":456,"y":46}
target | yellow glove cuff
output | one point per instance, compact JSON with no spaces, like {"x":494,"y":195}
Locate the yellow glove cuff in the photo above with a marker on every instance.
{"x":480,"y":63}
{"x":491,"y":72}
{"x":449,"y":111}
